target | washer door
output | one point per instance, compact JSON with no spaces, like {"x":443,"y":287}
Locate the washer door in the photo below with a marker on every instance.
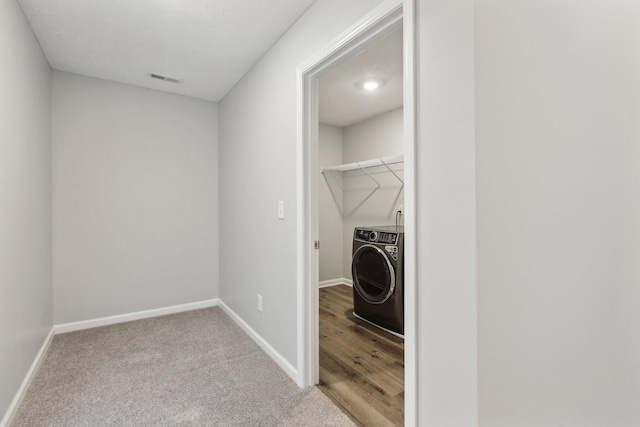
{"x":373,"y":275}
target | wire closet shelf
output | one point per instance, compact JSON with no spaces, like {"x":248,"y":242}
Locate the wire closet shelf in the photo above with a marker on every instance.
{"x":365,"y":164}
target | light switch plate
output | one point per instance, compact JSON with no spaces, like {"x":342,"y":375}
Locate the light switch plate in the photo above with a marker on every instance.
{"x":281,"y":209}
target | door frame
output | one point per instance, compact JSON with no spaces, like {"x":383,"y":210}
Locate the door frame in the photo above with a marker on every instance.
{"x":375,"y":25}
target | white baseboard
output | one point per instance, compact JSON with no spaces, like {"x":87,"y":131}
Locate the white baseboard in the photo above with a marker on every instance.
{"x":272,"y":352}
{"x":15,"y":403}
{"x":333,"y":282}
{"x":121,"y":318}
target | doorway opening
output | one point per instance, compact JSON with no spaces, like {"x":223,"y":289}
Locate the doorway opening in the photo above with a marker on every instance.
{"x":382,"y":23}
{"x":360,"y":188}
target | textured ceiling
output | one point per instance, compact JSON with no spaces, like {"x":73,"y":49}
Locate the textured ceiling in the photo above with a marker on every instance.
{"x":207,"y":44}
{"x":343,"y":102}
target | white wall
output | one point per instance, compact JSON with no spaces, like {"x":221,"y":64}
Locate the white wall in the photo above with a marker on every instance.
{"x":558,"y":131}
{"x":258,"y":168}
{"x":330,"y":204}
{"x":25,"y":200}
{"x":446,"y":259}
{"x":135,"y":211}
{"x":379,"y":136}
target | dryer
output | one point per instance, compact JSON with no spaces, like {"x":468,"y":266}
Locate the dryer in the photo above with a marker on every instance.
{"x":377,"y":269}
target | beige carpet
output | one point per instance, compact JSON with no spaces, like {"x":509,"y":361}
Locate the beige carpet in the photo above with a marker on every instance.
{"x":190,"y":369}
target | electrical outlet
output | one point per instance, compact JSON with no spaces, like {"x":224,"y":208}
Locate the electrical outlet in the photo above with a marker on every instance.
{"x":260,"y":303}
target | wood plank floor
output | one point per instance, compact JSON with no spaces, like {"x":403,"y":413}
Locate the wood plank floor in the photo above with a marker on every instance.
{"x":361,"y":366}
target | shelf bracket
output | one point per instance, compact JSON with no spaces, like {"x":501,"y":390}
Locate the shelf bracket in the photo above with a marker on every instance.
{"x":394,"y":174}
{"x":372,"y":178}
{"x":332,"y":174}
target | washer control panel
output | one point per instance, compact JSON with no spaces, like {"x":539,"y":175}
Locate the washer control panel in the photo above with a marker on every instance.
{"x":376,"y":236}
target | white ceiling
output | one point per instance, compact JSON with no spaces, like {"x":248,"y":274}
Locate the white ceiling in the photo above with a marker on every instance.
{"x":207,"y":44}
{"x":343,"y":102}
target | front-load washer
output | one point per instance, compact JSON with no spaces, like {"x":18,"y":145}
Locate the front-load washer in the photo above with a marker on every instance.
{"x":377,"y":269}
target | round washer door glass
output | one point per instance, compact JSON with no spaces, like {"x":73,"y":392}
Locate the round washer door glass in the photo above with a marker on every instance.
{"x":372,"y":273}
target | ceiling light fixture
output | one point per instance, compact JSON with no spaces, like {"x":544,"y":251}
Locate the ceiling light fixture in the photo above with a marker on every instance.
{"x":370,"y":85}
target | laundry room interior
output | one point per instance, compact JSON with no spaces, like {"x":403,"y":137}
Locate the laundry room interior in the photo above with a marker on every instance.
{"x":361,"y":187}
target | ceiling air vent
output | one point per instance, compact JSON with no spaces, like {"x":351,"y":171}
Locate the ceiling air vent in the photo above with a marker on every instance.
{"x":165,"y":78}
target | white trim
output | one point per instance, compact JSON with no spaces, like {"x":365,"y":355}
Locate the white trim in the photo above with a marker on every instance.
{"x":334,"y":282}
{"x":15,"y":403}
{"x":370,"y":28}
{"x":264,"y":345}
{"x":121,"y":318}
{"x":411,"y":357}
{"x":382,"y":17}
{"x":303,"y":242}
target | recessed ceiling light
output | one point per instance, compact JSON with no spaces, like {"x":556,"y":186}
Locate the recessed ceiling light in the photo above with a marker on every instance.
{"x":370,"y":85}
